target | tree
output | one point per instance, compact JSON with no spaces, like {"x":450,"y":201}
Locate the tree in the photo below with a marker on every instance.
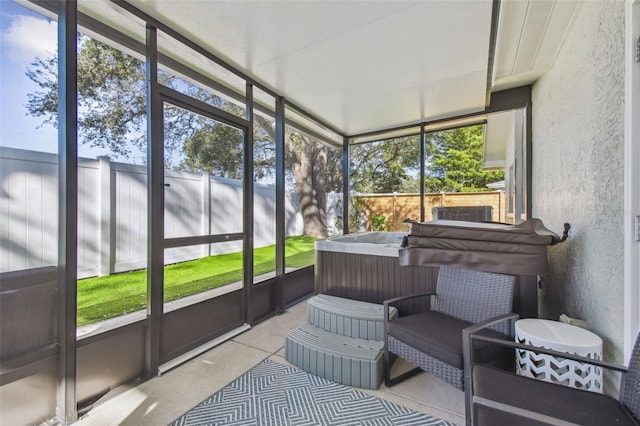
{"x":111,"y":96}
{"x":112,"y":106}
{"x":383,"y":167}
{"x":215,"y":149}
{"x":112,"y":100}
{"x":454,"y":161}
{"x":306,"y":157}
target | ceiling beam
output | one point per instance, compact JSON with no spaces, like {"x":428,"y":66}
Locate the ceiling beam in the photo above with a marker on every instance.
{"x":493,"y":39}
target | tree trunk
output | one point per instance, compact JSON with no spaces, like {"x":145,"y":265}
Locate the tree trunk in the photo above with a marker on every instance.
{"x":309,"y":168}
{"x":308,"y":164}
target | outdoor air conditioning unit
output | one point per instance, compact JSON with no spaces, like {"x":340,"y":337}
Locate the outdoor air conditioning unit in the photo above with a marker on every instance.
{"x":468,"y":213}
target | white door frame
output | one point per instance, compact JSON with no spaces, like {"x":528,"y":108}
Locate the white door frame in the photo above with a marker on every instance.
{"x":632,"y":177}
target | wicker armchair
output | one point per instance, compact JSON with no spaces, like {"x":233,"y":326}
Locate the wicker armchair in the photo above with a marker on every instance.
{"x":432,"y":340}
{"x":500,"y":397}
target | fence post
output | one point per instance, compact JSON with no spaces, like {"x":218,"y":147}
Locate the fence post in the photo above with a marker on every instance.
{"x":206,"y":212}
{"x":394,"y":216}
{"x":107,"y":217}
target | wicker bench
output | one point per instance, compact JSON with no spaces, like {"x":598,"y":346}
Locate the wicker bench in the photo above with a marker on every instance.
{"x":342,"y":341}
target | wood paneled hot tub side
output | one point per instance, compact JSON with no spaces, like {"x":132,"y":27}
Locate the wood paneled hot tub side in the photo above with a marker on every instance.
{"x":365,"y":267}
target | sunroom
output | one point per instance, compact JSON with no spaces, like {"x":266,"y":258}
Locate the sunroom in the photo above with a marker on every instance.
{"x":189,"y":194}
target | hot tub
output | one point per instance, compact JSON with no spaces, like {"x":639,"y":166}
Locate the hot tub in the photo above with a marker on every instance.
{"x":365,"y":267}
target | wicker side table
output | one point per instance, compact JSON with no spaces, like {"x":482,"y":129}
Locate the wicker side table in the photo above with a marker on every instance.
{"x":563,"y":338}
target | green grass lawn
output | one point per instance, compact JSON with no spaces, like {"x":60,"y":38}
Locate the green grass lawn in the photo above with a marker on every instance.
{"x":100,"y":298}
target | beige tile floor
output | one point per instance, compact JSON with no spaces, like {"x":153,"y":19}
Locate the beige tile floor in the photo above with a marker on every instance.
{"x":162,"y":399}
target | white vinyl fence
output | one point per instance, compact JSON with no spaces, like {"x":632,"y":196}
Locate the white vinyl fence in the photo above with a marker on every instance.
{"x":112,"y":213}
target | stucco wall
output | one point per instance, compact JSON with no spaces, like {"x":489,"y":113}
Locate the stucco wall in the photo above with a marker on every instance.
{"x":578,"y":146}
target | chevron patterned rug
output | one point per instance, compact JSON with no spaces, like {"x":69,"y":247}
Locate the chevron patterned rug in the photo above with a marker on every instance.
{"x":276,"y":394}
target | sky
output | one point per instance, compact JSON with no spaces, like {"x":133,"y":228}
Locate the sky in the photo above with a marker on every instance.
{"x":25,"y":35}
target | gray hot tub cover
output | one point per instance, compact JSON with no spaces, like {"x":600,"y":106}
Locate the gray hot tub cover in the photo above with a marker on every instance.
{"x":509,"y":249}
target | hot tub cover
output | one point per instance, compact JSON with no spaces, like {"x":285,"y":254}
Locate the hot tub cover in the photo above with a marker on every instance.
{"x":509,"y":249}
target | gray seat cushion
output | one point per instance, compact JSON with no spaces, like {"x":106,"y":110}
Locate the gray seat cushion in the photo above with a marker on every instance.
{"x":440,"y":336}
{"x":562,"y":402}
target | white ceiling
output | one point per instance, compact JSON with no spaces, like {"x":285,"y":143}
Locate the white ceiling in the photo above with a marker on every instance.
{"x":370,"y":65}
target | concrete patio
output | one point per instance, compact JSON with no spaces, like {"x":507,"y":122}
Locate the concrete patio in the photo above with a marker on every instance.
{"x":162,"y":399}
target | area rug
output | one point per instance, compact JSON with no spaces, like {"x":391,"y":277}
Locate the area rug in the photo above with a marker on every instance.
{"x":276,"y":394}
